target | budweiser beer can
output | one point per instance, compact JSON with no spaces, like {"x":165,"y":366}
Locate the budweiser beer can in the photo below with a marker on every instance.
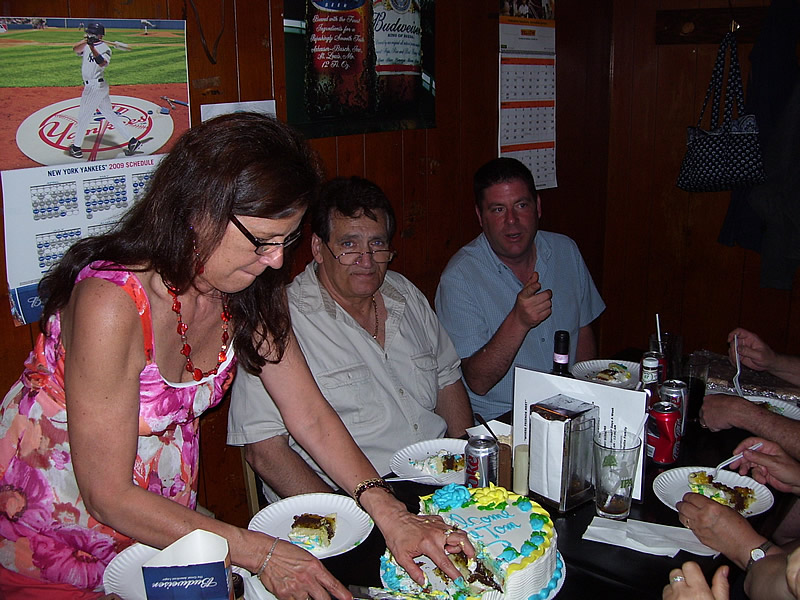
{"x":676,"y":391}
{"x":481,"y":457}
{"x":664,"y":433}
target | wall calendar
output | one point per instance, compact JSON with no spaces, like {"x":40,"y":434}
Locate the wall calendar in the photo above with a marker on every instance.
{"x":527,"y":95}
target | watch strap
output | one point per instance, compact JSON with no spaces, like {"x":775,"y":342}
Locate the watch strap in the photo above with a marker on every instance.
{"x":764,"y":548}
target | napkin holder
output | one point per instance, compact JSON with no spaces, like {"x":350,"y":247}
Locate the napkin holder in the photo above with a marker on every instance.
{"x":195,"y":566}
{"x":561,"y":433}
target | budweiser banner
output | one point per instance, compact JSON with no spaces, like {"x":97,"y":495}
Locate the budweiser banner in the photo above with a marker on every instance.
{"x":354,"y":66}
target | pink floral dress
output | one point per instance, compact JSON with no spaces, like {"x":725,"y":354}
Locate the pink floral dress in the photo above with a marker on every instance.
{"x":46,"y":532}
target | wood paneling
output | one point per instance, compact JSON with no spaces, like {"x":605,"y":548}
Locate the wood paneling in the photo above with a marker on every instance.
{"x":622,"y":109}
{"x":425,"y":173}
{"x":661,"y":249}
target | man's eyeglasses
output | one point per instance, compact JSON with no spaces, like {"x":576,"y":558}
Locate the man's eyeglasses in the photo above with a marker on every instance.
{"x":265,"y":248}
{"x":353,"y":258}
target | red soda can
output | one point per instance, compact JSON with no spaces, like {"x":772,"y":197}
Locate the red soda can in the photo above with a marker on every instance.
{"x":481,"y":458}
{"x":664,"y":433}
{"x":676,"y":391}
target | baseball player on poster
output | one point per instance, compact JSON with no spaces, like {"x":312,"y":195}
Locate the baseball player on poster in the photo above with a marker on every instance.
{"x":96,"y":56}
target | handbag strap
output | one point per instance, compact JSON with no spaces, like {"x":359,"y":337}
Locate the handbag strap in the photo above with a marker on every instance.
{"x":734,"y":90}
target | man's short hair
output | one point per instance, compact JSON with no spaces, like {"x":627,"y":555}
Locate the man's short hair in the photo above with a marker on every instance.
{"x":350,"y":197}
{"x":501,"y":170}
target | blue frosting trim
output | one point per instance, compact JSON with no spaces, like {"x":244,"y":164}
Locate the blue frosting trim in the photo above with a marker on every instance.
{"x":548,"y":589}
{"x":523,"y":503}
{"x":451,"y":496}
{"x":538,"y":521}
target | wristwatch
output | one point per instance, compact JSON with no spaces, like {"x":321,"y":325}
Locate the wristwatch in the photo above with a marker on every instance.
{"x":758,"y":553}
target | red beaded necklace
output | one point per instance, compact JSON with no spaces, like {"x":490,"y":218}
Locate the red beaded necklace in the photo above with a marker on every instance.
{"x":197,"y":374}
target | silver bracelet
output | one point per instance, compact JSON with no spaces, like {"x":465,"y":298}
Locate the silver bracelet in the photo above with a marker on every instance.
{"x":266,"y":559}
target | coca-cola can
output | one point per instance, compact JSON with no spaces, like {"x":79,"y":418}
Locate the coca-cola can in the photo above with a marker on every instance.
{"x":481,"y":457}
{"x":676,"y":391}
{"x":664,"y":433}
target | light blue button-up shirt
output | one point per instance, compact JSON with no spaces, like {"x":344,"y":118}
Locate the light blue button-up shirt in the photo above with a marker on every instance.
{"x":477,"y":291}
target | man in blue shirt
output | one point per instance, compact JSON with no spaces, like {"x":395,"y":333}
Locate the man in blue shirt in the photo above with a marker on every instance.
{"x":504,"y":295}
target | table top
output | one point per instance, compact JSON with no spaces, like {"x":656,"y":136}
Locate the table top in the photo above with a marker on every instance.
{"x":604,"y":569}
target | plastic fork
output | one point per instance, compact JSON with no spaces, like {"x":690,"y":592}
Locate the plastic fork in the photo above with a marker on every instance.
{"x":428,"y":479}
{"x":736,"y":385}
{"x":733,"y":459}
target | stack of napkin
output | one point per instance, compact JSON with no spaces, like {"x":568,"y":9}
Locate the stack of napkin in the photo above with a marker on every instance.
{"x":649,"y":538}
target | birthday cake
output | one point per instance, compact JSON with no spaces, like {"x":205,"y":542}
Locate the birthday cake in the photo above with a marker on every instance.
{"x":515,"y":543}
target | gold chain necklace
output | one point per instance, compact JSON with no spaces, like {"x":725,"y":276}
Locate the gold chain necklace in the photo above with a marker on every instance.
{"x":375,"y":307}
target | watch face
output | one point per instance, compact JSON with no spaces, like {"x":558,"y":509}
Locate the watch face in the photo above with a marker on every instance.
{"x":757,"y":554}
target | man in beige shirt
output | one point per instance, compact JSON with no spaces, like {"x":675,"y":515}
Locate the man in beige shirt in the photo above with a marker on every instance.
{"x":373,"y":343}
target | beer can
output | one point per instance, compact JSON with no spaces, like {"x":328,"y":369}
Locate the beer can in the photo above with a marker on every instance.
{"x":677,"y":392}
{"x":481,"y":458}
{"x":664,"y":433}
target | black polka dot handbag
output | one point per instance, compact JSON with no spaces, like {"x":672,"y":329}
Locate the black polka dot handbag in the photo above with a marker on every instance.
{"x":727,"y":155}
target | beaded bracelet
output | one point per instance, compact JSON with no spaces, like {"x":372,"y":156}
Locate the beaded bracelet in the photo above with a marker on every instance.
{"x":368,"y":484}
{"x":266,"y":559}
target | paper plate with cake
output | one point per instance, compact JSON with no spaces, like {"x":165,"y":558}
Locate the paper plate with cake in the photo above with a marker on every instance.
{"x":440,"y":461}
{"x":790,"y":410}
{"x":517,"y":557}
{"x":778,"y":406}
{"x":323,"y":524}
{"x":728,"y":488}
{"x":618,"y":373}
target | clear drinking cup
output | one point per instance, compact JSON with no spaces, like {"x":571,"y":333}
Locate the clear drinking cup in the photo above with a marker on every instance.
{"x":671,"y":347}
{"x":616,"y":455}
{"x":696,"y":376}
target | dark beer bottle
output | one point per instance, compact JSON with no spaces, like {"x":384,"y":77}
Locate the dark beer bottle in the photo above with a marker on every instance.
{"x":561,"y":354}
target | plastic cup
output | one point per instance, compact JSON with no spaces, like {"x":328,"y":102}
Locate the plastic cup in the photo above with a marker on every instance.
{"x":671,"y":347}
{"x":696,"y":376}
{"x":616,"y":455}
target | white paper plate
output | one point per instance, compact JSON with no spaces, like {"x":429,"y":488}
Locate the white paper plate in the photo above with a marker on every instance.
{"x":781,"y":407}
{"x":587,"y":370}
{"x":123,"y":576}
{"x":421,"y":450}
{"x":352,"y":524}
{"x":670,"y":486}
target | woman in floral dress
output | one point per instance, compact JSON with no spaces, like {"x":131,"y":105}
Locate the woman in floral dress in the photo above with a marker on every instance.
{"x":99,"y":437}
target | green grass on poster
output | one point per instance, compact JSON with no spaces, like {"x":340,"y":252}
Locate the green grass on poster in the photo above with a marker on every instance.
{"x":44,"y":58}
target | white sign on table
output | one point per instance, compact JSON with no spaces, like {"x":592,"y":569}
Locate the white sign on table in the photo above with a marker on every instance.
{"x":618,"y":408}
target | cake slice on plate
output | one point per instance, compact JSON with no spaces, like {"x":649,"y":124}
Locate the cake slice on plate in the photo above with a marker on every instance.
{"x":312,"y":531}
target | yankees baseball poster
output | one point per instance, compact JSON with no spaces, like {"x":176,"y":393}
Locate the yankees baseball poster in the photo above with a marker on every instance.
{"x":86,"y":103}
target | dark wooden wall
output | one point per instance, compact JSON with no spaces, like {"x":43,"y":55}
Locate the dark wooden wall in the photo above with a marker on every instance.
{"x":661,"y":253}
{"x":622,"y":108}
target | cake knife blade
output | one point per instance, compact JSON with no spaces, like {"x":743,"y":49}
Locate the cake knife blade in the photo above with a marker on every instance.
{"x":372,"y":593}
